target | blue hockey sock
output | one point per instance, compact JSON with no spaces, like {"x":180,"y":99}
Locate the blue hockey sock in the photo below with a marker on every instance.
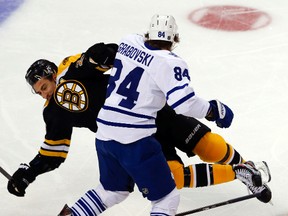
{"x":89,"y":204}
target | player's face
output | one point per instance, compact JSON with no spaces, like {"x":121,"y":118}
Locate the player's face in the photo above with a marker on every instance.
{"x":45,"y":87}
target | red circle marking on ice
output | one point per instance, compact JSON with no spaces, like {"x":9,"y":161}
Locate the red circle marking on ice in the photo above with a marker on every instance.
{"x":230,"y":18}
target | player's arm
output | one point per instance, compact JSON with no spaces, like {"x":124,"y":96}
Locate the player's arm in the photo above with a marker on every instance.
{"x":101,"y":56}
{"x":52,"y":153}
{"x":183,"y":99}
{"x":27,"y":173}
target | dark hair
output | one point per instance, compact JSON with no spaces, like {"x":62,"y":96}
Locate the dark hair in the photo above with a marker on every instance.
{"x":39,"y":69}
{"x":159,"y":44}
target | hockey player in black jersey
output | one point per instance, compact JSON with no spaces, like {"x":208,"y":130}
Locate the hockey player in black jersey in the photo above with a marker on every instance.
{"x":75,"y":91}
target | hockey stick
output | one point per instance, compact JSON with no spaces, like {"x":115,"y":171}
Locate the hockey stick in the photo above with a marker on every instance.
{"x":250,"y":196}
{"x":6,"y":174}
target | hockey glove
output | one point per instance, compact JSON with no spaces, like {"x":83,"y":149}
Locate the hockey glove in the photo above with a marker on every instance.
{"x":101,"y":55}
{"x":220,"y":113}
{"x":20,"y":180}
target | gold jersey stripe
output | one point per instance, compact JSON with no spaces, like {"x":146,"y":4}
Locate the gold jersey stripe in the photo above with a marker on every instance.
{"x":53,"y":153}
{"x":58,"y":142}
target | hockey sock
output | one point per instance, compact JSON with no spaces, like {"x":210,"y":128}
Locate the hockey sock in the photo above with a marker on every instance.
{"x":167,"y":205}
{"x":202,"y":175}
{"x":222,"y":173}
{"x":213,"y":148}
{"x":177,"y":170}
{"x":232,"y":156}
{"x":88,"y":205}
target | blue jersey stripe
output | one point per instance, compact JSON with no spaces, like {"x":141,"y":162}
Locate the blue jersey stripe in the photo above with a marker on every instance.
{"x":114,"y":109}
{"x":115,"y":124}
{"x":175,"y":89}
{"x":158,"y":214}
{"x":182,"y":100}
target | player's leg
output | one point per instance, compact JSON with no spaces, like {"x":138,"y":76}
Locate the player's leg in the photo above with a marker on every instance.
{"x":213,"y":148}
{"x":200,"y":175}
{"x":148,"y":167}
{"x":115,"y":185}
{"x":192,"y":137}
{"x":96,"y":201}
{"x":170,"y":201}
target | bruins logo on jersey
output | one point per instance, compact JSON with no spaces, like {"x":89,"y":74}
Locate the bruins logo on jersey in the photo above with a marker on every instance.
{"x":71,"y":95}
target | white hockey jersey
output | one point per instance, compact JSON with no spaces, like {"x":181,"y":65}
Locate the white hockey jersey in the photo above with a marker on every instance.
{"x":142,"y":81}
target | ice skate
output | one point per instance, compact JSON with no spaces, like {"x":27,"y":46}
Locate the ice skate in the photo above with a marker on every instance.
{"x":248,"y":174}
{"x":66,"y":211}
{"x":264,"y":170}
{"x":255,"y":176}
{"x":265,"y":191}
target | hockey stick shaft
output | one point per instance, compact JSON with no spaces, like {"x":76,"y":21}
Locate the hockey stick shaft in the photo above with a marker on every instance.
{"x":6,"y":174}
{"x":242,"y":198}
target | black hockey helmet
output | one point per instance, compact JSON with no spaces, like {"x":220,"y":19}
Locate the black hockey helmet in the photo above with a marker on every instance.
{"x":40,"y":68}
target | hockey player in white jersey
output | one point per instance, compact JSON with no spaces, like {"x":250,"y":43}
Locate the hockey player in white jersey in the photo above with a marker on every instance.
{"x":146,"y":75}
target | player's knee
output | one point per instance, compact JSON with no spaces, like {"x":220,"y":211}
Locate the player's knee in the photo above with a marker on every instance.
{"x":167,"y":205}
{"x":110,"y":198}
{"x":211,"y":148}
{"x":178,"y":173}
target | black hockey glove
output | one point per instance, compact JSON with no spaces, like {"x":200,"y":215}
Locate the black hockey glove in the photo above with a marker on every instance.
{"x":20,"y":180}
{"x":220,"y":113}
{"x":101,"y":55}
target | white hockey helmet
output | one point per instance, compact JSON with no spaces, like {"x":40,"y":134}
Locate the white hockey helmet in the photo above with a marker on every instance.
{"x":162,"y":27}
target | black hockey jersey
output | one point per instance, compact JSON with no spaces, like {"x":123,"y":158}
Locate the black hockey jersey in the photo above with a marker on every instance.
{"x":79,"y":95}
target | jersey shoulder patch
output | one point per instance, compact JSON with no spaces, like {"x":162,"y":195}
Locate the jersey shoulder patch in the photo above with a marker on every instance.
{"x":67,"y":62}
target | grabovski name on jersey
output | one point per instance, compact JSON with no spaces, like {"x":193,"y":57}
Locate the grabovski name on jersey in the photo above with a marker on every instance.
{"x":135,"y":54}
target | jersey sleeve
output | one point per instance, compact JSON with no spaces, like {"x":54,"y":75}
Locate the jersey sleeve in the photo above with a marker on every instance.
{"x":179,"y":94}
{"x":58,"y":133}
{"x":55,"y":147}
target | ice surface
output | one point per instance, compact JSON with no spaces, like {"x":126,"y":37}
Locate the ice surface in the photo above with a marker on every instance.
{"x":246,"y":70}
